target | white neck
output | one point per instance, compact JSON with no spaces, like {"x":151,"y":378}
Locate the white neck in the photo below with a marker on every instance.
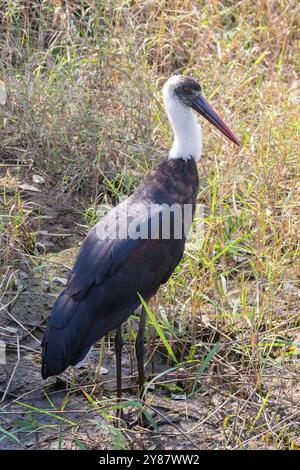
{"x":187,"y":131}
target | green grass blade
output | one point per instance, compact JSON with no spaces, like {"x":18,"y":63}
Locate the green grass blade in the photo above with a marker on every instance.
{"x":9,"y":434}
{"x":203,"y":366}
{"x":158,"y":329}
{"x":48,"y":413}
{"x":80,"y":445}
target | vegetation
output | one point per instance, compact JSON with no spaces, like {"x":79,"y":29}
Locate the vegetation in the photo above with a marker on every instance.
{"x":81,"y":122}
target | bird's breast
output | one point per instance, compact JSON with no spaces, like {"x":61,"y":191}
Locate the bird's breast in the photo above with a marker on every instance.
{"x":172,"y":181}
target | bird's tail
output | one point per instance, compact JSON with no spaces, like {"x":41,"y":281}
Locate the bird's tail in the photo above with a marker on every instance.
{"x":65,"y":335}
{"x":74,"y":326}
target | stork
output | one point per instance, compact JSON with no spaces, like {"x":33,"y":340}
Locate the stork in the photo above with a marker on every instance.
{"x":116,"y":266}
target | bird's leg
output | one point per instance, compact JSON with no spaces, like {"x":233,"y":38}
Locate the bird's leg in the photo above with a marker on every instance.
{"x":140,"y":349}
{"x":118,"y":349}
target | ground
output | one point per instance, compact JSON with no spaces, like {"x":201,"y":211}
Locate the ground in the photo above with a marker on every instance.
{"x":82,"y":121}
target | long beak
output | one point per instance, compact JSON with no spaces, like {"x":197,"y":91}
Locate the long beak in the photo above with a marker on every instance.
{"x":202,"y":107}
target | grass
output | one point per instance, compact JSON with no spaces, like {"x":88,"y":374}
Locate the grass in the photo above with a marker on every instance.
{"x":80,"y":94}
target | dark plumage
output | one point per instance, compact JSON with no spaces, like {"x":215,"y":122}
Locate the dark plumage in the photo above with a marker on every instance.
{"x":102,"y":288}
{"x":113,"y":268}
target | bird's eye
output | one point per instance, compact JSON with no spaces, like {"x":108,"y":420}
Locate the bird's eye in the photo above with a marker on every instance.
{"x":187,"y":91}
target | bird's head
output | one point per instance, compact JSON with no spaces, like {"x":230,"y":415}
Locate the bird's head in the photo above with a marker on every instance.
{"x":187,"y":92}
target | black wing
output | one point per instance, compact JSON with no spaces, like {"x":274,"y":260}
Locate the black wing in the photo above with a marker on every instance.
{"x":102,"y":290}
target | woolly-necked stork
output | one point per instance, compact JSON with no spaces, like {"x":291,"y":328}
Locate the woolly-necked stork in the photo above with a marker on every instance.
{"x":115,"y":264}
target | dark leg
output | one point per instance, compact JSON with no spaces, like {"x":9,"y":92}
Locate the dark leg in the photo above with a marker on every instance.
{"x":140,"y":349}
{"x":118,"y":348}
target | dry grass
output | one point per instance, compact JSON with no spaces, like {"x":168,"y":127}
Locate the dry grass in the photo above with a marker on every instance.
{"x":83,"y":109}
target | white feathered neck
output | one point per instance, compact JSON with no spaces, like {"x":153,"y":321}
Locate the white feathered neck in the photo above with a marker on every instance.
{"x":187,"y":131}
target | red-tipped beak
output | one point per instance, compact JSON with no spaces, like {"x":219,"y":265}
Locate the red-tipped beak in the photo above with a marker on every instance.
{"x":202,"y":107}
